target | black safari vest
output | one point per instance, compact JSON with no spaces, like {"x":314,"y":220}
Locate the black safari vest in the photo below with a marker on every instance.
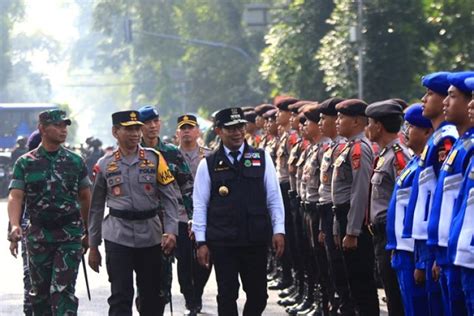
{"x":237,"y":214}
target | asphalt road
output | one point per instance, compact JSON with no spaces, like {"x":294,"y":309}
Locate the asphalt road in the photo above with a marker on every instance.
{"x":11,"y":287}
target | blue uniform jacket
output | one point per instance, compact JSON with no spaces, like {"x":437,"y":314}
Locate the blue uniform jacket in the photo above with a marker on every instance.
{"x":419,"y":206}
{"x":396,"y":213}
{"x":447,"y":189}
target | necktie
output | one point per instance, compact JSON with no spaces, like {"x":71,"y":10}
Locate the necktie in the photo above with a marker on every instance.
{"x":234,"y":155}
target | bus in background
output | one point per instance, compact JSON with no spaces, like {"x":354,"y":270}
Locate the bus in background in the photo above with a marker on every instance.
{"x":19,"y":119}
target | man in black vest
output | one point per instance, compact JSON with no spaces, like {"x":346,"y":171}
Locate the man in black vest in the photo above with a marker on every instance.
{"x":238,"y":207}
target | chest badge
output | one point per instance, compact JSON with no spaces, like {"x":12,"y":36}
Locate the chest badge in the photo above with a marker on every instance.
{"x":116,"y":190}
{"x":223,"y":190}
{"x":247,"y":163}
{"x":111,"y":167}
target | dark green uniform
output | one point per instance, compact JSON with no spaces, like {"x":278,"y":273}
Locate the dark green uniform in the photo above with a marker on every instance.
{"x":51,"y":182}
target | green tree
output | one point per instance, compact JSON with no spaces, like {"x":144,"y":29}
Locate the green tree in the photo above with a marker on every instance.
{"x":11,"y":11}
{"x":288,"y":61}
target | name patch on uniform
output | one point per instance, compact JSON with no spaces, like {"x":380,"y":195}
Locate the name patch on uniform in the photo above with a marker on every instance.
{"x":221,"y":166}
{"x":252,"y":155}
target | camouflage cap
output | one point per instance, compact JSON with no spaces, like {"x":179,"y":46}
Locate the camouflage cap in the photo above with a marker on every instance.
{"x":53,"y":116}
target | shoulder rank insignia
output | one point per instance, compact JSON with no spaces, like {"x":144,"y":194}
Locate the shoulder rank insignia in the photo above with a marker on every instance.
{"x":451,"y":157}
{"x":356,"y":154}
{"x":380,"y":163}
{"x":111,"y":167}
{"x":400,"y":162}
{"x":164,"y":175}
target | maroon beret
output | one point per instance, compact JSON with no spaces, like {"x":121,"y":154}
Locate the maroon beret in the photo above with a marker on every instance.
{"x":283,"y":103}
{"x":311,"y":112}
{"x":352,"y":107}
{"x":270,"y":114}
{"x":262,"y":108}
{"x":296,"y":107}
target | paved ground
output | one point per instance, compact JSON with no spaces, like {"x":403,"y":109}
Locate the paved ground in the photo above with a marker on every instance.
{"x":11,"y":287}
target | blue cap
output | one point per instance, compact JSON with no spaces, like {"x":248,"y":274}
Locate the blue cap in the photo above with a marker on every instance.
{"x":456,"y":79}
{"x":469,"y":82}
{"x":437,"y":81}
{"x":147,"y":112}
{"x":414,"y":116}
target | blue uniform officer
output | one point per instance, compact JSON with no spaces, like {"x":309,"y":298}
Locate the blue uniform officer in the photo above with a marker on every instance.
{"x":414,"y":297}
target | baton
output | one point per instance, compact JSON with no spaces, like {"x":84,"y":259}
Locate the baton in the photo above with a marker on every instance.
{"x":85,"y":277}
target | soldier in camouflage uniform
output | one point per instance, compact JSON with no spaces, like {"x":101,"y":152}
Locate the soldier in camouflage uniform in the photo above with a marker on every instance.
{"x":53,"y":183}
{"x":184,"y":185}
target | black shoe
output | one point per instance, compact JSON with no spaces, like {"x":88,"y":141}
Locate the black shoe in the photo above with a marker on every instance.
{"x":307,"y":303}
{"x":311,"y":311}
{"x":288,"y":291}
{"x":279,"y":285}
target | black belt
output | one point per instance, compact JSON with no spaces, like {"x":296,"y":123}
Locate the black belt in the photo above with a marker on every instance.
{"x":133,"y":215}
{"x":55,"y":223}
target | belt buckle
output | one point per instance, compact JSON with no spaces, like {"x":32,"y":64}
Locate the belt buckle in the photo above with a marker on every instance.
{"x":371,"y":230}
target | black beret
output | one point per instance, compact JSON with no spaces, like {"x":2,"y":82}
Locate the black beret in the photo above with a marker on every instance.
{"x":328,"y":107}
{"x":383,"y":109}
{"x":312,"y":112}
{"x":262,"y":108}
{"x":284,"y":102}
{"x":270,"y":114}
{"x":352,"y":107}
{"x":250,"y":116}
{"x":296,"y":107}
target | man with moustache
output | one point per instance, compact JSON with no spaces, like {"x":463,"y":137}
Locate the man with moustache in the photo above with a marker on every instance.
{"x":447,"y":189}
{"x":460,"y":236}
{"x":188,"y":134}
{"x":424,"y":185}
{"x":385,"y":120}
{"x":350,"y":195}
{"x":231,"y":227}
{"x":418,"y":130}
{"x":136,"y":184}
{"x":52,"y":184}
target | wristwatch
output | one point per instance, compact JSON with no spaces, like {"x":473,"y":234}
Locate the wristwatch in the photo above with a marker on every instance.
{"x":199,"y":244}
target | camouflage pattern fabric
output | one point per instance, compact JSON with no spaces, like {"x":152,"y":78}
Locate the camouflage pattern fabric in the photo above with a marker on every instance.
{"x":53,"y":270}
{"x":166,"y":278}
{"x":181,"y":172}
{"x":51,"y":183}
{"x":27,"y":309}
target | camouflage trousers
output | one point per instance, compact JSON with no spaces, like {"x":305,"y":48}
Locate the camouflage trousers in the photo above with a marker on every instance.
{"x":26,"y":273}
{"x":53,"y":273}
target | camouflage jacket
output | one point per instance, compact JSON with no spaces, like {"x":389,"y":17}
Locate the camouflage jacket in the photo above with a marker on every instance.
{"x":51,"y":182}
{"x":184,"y":178}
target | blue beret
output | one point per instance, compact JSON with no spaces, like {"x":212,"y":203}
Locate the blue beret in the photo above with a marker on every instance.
{"x":414,"y":116}
{"x":457,"y":79}
{"x":147,"y":112}
{"x":469,"y":82}
{"x":438,"y":82}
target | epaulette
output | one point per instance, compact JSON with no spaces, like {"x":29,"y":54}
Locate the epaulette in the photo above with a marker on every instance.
{"x":400,"y":162}
{"x":356,"y":154}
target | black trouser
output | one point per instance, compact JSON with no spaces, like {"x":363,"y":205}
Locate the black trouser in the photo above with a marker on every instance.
{"x":121,"y":262}
{"x":250,"y":264}
{"x":319,"y":256}
{"x":337,"y":271}
{"x":386,"y":272}
{"x":299,"y":233}
{"x":359,"y":265}
{"x":192,"y":276}
{"x":287,"y":261}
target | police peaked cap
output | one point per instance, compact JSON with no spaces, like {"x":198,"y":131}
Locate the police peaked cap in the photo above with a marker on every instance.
{"x":352,"y":107}
{"x":437,"y":81}
{"x":414,"y":116}
{"x":126,"y":118}
{"x":383,"y":109}
{"x":187,"y":119}
{"x":229,"y":117}
{"x":457,"y":79}
{"x":328,"y":107}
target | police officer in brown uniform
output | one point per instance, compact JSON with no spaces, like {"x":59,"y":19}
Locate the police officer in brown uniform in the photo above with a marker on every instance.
{"x":337,"y":271}
{"x":350,"y":196}
{"x":134,"y":182}
{"x":385,"y":120}
{"x":292,"y":257}
{"x":271,"y":141}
